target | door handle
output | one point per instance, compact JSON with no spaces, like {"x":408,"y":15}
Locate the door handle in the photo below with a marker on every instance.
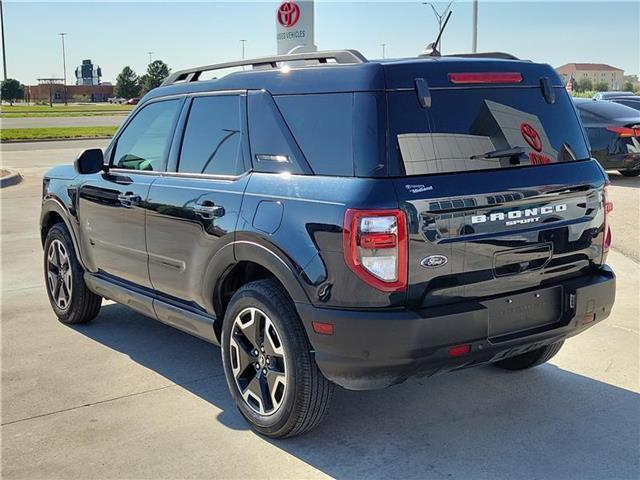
{"x":208,"y":210}
{"x":129,"y":199}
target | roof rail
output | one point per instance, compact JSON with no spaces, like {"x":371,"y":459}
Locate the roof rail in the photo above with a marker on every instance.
{"x":340,"y":56}
{"x":503,"y":55}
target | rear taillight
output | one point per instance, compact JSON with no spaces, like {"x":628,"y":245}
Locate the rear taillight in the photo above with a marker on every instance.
{"x":608,"y":208}
{"x":486,"y":77}
{"x":375,"y":247}
{"x":625,"y":132}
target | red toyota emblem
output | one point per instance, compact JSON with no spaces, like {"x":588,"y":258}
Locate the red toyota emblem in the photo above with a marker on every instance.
{"x":288,"y":14}
{"x":531,"y":136}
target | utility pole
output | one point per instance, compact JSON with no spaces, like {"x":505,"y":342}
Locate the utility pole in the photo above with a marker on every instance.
{"x":440,"y":17}
{"x":150,"y":57}
{"x":4,"y":45}
{"x":242,"y":41}
{"x":64,"y":67}
{"x":383,"y":45}
{"x":474,"y":28}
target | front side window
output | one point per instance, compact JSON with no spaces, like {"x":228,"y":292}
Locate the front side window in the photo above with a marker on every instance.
{"x":212,"y":141}
{"x":144,"y":143}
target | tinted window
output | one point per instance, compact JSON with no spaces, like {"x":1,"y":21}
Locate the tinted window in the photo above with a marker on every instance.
{"x":323,"y":127}
{"x":635,"y":104}
{"x":482,"y":128}
{"x":144,"y":142}
{"x":213,"y":137}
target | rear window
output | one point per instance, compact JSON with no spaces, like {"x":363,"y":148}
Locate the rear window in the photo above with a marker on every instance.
{"x":481,"y":128}
{"x":607,"y":110}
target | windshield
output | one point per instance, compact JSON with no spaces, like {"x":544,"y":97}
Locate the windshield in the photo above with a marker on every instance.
{"x":482,"y":128}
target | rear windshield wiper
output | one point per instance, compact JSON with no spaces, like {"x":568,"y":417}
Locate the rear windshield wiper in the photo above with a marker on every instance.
{"x":508,"y":152}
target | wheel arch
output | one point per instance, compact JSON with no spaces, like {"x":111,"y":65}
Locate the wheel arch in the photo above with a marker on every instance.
{"x":53,"y":212}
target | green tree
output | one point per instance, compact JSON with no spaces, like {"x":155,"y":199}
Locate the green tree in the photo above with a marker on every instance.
{"x":157,"y":71}
{"x":628,"y":87}
{"x":12,"y":90}
{"x":585,"y":85}
{"x":127,"y":83}
{"x":601,"y":87}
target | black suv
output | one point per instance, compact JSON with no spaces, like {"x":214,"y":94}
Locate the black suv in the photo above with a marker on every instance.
{"x":336,"y":221}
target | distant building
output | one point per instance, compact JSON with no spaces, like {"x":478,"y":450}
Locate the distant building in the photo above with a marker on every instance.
{"x":596,"y":72}
{"x":51,"y":90}
{"x":88,"y":74}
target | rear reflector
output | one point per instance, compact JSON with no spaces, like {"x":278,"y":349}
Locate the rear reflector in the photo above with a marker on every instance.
{"x":459,"y":350}
{"x":322,"y":328}
{"x":588,"y":318}
{"x":486,"y":77}
{"x":625,"y":132}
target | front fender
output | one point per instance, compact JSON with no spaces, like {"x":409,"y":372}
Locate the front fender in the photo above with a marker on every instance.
{"x":53,"y":205}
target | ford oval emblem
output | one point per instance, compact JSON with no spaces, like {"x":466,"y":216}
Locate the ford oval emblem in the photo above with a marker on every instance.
{"x":434,"y":261}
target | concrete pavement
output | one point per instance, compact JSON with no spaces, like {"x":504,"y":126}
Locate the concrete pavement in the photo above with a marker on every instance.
{"x":128,"y":397}
{"x":45,"y":122}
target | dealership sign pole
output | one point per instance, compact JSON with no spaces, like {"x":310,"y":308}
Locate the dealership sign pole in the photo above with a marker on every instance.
{"x":295,"y":27}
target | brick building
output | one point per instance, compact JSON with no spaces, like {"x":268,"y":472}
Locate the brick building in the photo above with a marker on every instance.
{"x":52,"y":90}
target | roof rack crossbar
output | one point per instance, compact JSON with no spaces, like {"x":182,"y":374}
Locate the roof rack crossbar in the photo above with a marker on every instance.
{"x":502,"y":55}
{"x":340,"y":56}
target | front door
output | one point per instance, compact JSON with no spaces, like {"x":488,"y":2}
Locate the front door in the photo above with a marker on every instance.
{"x":194,"y":207}
{"x":112,"y":205}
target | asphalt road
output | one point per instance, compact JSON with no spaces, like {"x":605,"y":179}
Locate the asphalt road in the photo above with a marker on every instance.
{"x":128,"y":397}
{"x":45,"y":122}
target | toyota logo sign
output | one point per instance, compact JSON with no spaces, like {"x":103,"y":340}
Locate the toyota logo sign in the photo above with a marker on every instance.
{"x":288,"y":14}
{"x":531,"y":136}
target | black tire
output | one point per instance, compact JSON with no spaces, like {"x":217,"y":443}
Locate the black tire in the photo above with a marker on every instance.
{"x":630,"y":173}
{"x":530,"y":359}
{"x":82,"y":305}
{"x":307,"y":395}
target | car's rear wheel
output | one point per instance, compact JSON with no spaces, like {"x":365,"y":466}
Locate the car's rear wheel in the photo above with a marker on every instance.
{"x":530,"y":359}
{"x":70,"y":298}
{"x":270,"y":371}
{"x":630,"y":173}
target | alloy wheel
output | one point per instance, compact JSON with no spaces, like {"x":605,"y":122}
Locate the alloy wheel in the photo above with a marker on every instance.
{"x":257,"y":360}
{"x":59,"y":274}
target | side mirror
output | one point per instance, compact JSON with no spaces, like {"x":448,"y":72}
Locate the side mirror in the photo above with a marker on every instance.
{"x":89,"y":161}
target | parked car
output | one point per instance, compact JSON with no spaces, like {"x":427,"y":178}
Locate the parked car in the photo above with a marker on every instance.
{"x":336,"y":221}
{"x":628,"y":101}
{"x":133,"y":101}
{"x":117,"y":100}
{"x":614,"y":134}
{"x":609,"y":95}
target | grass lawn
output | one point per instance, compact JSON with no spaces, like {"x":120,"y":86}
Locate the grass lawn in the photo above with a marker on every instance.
{"x":55,"y":133}
{"x":63,"y":114}
{"x":59,"y":110}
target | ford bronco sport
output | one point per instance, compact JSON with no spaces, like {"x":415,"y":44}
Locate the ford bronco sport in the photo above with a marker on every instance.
{"x":330,"y":220}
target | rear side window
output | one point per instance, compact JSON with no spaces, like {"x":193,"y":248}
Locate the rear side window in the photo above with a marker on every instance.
{"x":212,"y":142}
{"x":322,"y":125}
{"x":482,"y":128}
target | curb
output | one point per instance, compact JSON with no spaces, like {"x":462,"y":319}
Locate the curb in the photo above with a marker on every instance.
{"x":39,"y":140}
{"x":12,"y":179}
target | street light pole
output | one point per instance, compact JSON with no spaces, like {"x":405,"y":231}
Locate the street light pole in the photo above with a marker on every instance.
{"x":150,"y":57}
{"x":440,"y":17}
{"x":383,"y":45}
{"x":474,"y":28}
{"x":4,"y":45}
{"x":64,"y":67}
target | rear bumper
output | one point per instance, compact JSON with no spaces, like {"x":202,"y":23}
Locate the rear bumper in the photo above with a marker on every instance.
{"x":375,"y":349}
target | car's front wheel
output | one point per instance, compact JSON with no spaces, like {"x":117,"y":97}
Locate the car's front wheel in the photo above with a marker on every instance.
{"x":70,"y":298}
{"x":268,"y":364}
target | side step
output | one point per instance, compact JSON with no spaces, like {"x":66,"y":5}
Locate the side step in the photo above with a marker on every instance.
{"x":196,"y":324}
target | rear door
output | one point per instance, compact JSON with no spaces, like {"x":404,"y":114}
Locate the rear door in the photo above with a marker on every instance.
{"x":498,"y":187}
{"x":193,"y":209}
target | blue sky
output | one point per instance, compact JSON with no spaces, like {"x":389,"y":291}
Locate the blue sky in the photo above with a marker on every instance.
{"x":115,"y":34}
